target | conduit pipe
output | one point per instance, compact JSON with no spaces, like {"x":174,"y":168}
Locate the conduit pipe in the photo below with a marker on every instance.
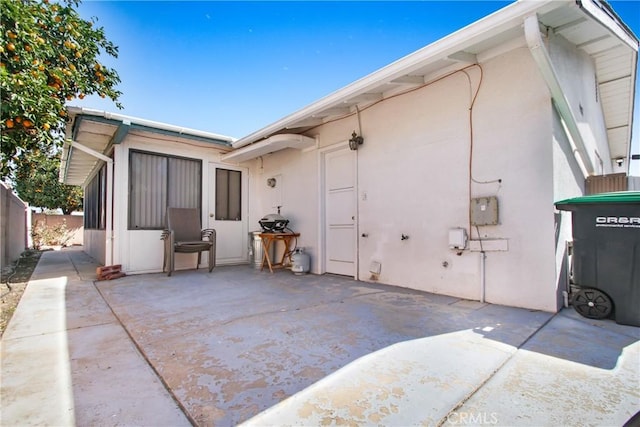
{"x":483,"y":275}
{"x":108,"y":250}
{"x":543,"y":61}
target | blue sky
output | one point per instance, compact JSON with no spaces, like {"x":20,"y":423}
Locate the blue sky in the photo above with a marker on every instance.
{"x":235,"y":67}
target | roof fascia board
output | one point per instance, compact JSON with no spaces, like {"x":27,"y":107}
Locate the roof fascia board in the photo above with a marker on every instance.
{"x":206,"y":139}
{"x":182,"y":131}
{"x":508,"y":17}
{"x":612,"y":23}
{"x":64,"y":162}
{"x":129,"y":126}
{"x":270,"y":145}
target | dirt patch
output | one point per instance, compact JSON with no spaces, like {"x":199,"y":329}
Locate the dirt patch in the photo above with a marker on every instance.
{"x":14,"y":281}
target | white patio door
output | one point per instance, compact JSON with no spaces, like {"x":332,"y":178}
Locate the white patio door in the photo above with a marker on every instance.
{"x":340,"y":211}
{"x":228,"y":212}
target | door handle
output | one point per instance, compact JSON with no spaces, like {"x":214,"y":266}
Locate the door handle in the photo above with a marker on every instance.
{"x":210,"y":215}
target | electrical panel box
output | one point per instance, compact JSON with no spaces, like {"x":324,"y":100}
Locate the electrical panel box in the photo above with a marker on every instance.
{"x":484,"y":211}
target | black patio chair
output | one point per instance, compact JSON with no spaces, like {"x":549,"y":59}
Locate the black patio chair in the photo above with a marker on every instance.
{"x":184,"y":235}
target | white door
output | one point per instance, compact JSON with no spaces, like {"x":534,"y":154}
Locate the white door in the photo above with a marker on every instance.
{"x":228,"y":212}
{"x":340,"y":212}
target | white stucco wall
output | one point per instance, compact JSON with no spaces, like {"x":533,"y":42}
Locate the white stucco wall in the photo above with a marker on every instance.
{"x":568,"y":182}
{"x":577,"y":75}
{"x":296,"y":174}
{"x":413,"y":179}
{"x":141,"y":251}
{"x":514,"y":130}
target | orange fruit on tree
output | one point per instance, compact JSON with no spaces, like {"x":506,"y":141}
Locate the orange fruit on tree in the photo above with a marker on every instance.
{"x":27,"y":123}
{"x":9,"y":123}
{"x":46,"y":126}
{"x":11,"y":47}
{"x":18,"y":119}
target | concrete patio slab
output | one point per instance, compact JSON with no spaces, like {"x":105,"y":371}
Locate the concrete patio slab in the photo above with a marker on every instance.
{"x":242,"y":346}
{"x":66,"y":360}
{"x":573,"y":372}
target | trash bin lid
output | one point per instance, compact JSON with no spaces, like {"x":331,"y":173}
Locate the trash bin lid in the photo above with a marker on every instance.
{"x":618,"y":197}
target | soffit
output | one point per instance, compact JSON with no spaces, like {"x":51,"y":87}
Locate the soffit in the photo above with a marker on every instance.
{"x":77,"y":166}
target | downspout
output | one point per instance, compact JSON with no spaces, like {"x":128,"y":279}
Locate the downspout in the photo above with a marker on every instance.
{"x":543,"y":61}
{"x":108,"y":253}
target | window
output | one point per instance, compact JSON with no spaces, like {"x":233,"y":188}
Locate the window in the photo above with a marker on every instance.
{"x":95,"y":195}
{"x":158,"y":181}
{"x":228,"y":191}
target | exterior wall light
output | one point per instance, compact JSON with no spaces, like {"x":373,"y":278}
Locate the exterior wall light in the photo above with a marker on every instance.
{"x":355,"y":141}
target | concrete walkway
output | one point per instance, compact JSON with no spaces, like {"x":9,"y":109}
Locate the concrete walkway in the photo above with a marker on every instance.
{"x":242,"y":346}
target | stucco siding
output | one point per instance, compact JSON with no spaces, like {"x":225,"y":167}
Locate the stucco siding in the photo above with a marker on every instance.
{"x":576,"y":72}
{"x":577,"y":75}
{"x":413,"y":179}
{"x":412,"y":174}
{"x":568,"y":182}
{"x":295,"y":192}
{"x":513,"y":143}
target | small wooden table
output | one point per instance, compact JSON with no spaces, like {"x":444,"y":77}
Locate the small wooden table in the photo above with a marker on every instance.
{"x":268,"y":239}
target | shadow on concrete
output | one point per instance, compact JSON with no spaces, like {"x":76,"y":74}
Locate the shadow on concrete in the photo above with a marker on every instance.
{"x":230,"y":344}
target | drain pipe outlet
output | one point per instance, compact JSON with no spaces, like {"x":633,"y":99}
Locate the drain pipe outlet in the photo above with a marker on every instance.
{"x":543,"y":61}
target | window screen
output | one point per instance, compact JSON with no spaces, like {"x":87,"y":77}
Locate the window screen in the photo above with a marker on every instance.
{"x":94,"y":202}
{"x":157,"y":182}
{"x":228,"y":195}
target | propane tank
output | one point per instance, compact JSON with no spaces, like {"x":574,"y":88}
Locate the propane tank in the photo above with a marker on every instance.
{"x":299,"y":262}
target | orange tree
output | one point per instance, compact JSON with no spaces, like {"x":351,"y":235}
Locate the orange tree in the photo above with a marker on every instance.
{"x":49,"y":55}
{"x":36,"y":182}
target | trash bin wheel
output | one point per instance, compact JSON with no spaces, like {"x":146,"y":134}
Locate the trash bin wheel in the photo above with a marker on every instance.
{"x":592,"y":303}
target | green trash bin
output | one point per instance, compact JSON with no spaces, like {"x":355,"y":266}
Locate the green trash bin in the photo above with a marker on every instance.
{"x":606,"y":255}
